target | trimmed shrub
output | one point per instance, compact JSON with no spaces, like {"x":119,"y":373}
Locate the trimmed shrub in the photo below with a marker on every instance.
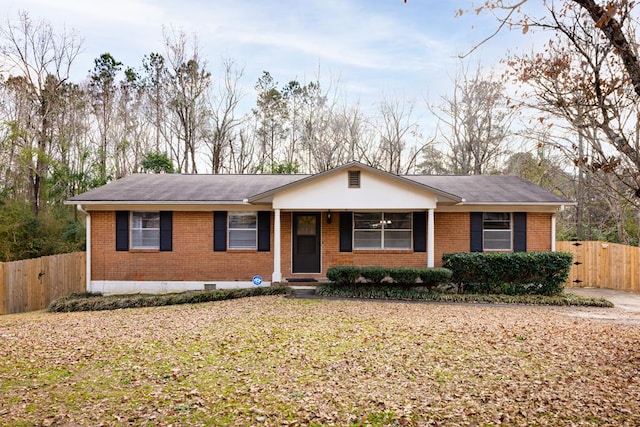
{"x":343,"y":274}
{"x":374,"y":274}
{"x":404,"y":275}
{"x":432,"y":277}
{"x":399,"y":293}
{"x":93,"y":302}
{"x":510,"y":273}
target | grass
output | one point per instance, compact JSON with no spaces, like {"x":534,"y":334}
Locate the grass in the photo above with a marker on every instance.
{"x":276,"y":361}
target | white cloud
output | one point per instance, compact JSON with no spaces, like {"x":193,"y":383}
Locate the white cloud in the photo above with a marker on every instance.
{"x":373,"y":46}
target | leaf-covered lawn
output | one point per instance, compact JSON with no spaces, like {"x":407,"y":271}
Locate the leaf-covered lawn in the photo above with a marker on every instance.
{"x":277,"y":361}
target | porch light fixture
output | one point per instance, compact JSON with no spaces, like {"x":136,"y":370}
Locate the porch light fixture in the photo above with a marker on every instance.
{"x":329,"y":217}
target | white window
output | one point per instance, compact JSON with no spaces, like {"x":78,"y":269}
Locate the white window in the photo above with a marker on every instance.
{"x":496,"y":231}
{"x":382,"y":230}
{"x":243,"y":230}
{"x":145,"y":230}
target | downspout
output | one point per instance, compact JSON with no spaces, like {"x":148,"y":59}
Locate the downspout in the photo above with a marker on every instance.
{"x":553,"y":232}
{"x":88,"y":246}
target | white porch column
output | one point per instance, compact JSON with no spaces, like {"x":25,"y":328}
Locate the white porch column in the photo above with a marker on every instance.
{"x":430,"y":239}
{"x":553,"y":232}
{"x":88,"y":247}
{"x":277,"y":274}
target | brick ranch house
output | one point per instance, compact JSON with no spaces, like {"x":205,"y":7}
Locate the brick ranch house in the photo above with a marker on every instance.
{"x":171,"y":232}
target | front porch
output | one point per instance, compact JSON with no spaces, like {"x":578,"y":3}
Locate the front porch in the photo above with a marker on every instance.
{"x":306,"y":243}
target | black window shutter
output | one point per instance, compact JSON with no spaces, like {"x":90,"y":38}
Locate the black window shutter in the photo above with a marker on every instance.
{"x":420,"y":231}
{"x":220,"y":231}
{"x":519,"y":231}
{"x":122,"y":230}
{"x":476,"y":232}
{"x":264,"y":231}
{"x":346,"y":231}
{"x":166,"y":231}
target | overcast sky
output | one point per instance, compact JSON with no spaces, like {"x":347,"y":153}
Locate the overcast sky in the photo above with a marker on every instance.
{"x":371,"y":48}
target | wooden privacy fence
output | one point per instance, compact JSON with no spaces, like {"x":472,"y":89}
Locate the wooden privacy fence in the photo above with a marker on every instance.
{"x":32,"y":284}
{"x":603,"y":265}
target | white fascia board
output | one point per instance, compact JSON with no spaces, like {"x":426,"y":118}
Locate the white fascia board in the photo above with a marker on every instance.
{"x":503,"y":207}
{"x":191,"y":207}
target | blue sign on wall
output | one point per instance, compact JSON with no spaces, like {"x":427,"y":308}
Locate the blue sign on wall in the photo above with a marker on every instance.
{"x":257,"y":280}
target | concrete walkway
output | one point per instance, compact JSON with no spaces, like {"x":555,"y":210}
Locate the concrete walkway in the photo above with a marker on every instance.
{"x":626,"y":310}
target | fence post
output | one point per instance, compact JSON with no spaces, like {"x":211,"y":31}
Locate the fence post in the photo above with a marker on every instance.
{"x":3,"y":296}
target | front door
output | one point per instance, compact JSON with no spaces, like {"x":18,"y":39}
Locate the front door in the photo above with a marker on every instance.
{"x":306,"y":242}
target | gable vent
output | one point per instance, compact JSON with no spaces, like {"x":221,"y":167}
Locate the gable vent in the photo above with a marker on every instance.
{"x":354,"y":179}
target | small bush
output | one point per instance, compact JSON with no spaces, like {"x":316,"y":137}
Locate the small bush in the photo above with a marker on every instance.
{"x":343,"y":274}
{"x":432,"y":277}
{"x":93,"y":302}
{"x":374,"y":274}
{"x":404,"y":275}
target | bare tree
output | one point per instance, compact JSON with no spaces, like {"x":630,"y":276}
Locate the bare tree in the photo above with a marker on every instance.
{"x":396,"y":126}
{"x":242,"y":152}
{"x":474,"y":122}
{"x":189,"y":83}
{"x":102,"y":85}
{"x":155,"y":87}
{"x":270,"y":114}
{"x":577,"y":84}
{"x":33,"y":52}
{"x":609,"y":27}
{"x":224,"y":121}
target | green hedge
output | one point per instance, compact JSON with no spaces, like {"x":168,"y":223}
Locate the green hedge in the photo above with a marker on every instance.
{"x":95,"y":302}
{"x":510,"y":273}
{"x":399,"y":293}
{"x":404,"y":276}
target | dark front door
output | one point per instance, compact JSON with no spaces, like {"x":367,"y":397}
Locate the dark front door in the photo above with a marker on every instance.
{"x":306,"y":242}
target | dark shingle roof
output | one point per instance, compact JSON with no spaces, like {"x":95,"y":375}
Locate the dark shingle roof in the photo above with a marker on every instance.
{"x":491,"y":188}
{"x":165,"y":188}
{"x":185,"y":188}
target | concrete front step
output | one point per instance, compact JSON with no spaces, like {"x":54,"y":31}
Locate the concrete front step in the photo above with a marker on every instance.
{"x":302,"y":290}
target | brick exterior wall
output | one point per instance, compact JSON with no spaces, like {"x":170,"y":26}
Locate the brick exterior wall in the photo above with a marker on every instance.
{"x":452,"y":232}
{"x":193,"y":258}
{"x":538,"y":232}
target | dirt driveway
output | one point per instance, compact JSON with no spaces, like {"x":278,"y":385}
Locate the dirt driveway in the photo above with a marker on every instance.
{"x":626,"y":310}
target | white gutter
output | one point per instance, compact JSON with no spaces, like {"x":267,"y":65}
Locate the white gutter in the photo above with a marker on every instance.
{"x":158,"y":202}
{"x":88,"y":246}
{"x":515,"y":203}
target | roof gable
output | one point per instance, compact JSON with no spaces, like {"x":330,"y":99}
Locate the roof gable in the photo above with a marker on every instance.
{"x":342,"y":171}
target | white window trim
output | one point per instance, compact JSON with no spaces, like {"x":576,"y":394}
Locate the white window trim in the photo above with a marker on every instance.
{"x":383,"y":231}
{"x":484,"y":249}
{"x":132,"y":228}
{"x":229,"y":230}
